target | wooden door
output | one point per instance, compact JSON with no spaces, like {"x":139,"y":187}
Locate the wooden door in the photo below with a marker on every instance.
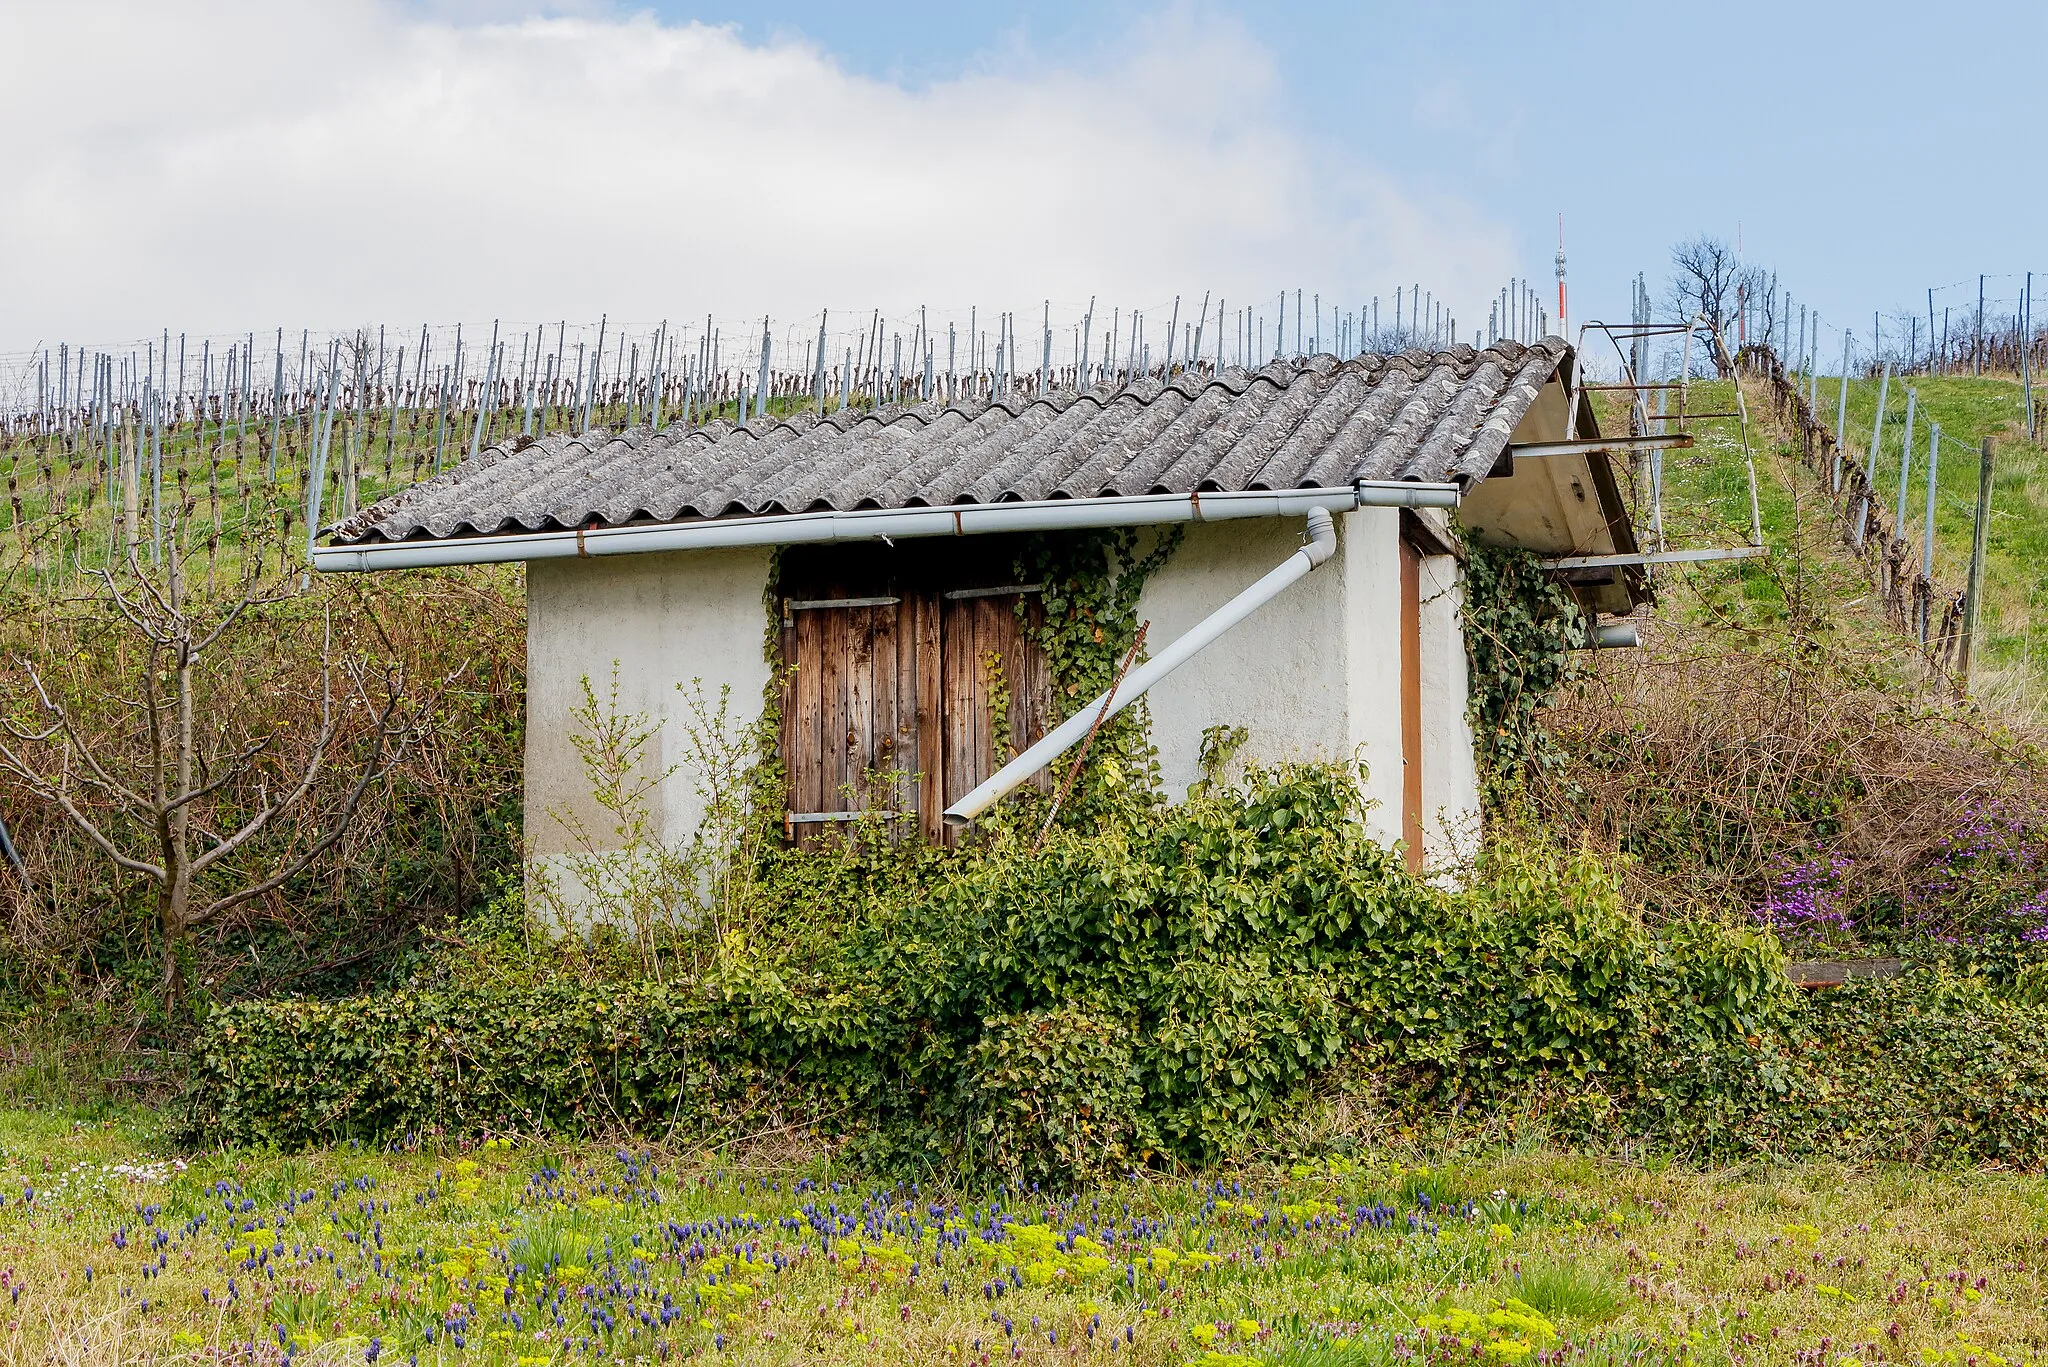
{"x":990,"y":657}
{"x":1411,"y":705}
{"x":851,"y":738}
{"x":894,"y":662}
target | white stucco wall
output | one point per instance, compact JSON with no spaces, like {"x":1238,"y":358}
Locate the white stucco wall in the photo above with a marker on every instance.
{"x":1313,"y":675}
{"x":1316,"y":673}
{"x":666,"y":620}
{"x":1280,"y":672}
{"x":1450,"y":766}
{"x":1371,"y":626}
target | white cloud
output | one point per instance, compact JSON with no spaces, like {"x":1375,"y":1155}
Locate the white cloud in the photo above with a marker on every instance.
{"x":221,"y":165}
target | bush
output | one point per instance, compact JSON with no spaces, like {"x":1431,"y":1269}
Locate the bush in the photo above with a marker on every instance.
{"x":397,"y":1066}
{"x":1165,"y":984}
{"x":1056,"y":1090}
{"x":1922,"y":1069}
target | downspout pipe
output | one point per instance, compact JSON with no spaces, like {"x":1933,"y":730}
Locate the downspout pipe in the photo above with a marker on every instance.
{"x":1322,"y":544}
{"x":885,"y":524}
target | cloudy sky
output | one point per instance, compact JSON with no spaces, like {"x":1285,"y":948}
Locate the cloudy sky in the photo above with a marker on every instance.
{"x":241,"y":165}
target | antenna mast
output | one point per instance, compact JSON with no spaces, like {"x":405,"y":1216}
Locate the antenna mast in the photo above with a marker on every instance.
{"x":1562,"y":313}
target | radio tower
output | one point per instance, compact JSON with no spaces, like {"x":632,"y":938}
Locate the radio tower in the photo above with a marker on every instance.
{"x":1562,"y":331}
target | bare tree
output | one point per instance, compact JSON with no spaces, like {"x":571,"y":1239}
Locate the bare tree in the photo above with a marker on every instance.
{"x":1704,"y":280}
{"x":179,"y":798}
{"x":1759,"y":300}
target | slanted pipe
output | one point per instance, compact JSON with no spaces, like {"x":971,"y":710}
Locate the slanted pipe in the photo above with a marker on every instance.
{"x":1322,"y":544}
{"x":886,"y":524}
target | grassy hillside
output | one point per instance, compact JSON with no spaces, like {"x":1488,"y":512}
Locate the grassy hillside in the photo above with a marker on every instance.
{"x":1707,"y":503}
{"x":1780,"y":750}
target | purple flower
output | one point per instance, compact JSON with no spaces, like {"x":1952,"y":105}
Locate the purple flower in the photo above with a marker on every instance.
{"x":1807,"y":899}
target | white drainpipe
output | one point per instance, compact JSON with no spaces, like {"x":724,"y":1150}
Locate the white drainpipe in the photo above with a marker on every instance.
{"x":884,"y":524}
{"x":1322,"y":544}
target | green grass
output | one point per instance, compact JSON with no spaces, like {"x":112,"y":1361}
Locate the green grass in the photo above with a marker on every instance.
{"x":1707,"y":503}
{"x":534,"y":1251}
{"x":1570,"y":1291}
{"x":2017,"y":558}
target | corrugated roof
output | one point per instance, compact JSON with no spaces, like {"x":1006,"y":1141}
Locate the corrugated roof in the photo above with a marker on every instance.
{"x":1316,"y":422}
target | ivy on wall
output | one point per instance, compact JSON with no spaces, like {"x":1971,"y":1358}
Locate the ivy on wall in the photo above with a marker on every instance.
{"x":1521,"y":627}
{"x":1092,"y":583}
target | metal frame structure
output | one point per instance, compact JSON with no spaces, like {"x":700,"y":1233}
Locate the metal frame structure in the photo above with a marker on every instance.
{"x":1642,"y":437}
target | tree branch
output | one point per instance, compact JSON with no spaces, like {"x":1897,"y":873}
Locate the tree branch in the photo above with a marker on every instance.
{"x":372,"y":771}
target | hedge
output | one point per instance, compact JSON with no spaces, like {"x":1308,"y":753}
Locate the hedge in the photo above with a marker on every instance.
{"x":1166,"y":985}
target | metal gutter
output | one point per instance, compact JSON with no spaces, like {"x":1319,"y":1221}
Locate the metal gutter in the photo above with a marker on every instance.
{"x":1322,"y":544}
{"x":884,"y":524}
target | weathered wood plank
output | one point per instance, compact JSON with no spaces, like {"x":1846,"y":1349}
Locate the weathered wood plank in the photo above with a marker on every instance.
{"x":957,"y":649}
{"x":927,"y":712}
{"x":833,"y":670}
{"x":860,"y":707}
{"x":1835,"y":972}
{"x":894,"y":645}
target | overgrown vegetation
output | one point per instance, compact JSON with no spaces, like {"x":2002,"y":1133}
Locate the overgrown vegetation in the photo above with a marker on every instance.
{"x":1776,"y":751}
{"x":82,"y":942}
{"x":1154,"y":990}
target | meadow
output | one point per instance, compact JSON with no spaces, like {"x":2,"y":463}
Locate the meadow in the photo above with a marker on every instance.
{"x":517,"y":1250}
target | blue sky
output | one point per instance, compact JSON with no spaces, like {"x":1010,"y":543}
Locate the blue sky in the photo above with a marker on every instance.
{"x":441,"y":161}
{"x":1866,"y":152}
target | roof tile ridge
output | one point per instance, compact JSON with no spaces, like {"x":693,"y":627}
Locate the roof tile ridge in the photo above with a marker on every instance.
{"x":361,"y":524}
{"x":906,"y":412}
{"x":1234,"y":378}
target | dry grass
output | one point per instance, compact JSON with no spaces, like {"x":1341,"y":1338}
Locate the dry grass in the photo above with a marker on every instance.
{"x":1714,"y":760}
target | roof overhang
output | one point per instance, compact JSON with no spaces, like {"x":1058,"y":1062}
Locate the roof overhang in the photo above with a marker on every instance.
{"x":1555,"y":492}
{"x":883,"y":524}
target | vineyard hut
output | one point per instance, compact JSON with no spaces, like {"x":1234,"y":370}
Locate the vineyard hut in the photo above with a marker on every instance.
{"x":880,"y":577}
